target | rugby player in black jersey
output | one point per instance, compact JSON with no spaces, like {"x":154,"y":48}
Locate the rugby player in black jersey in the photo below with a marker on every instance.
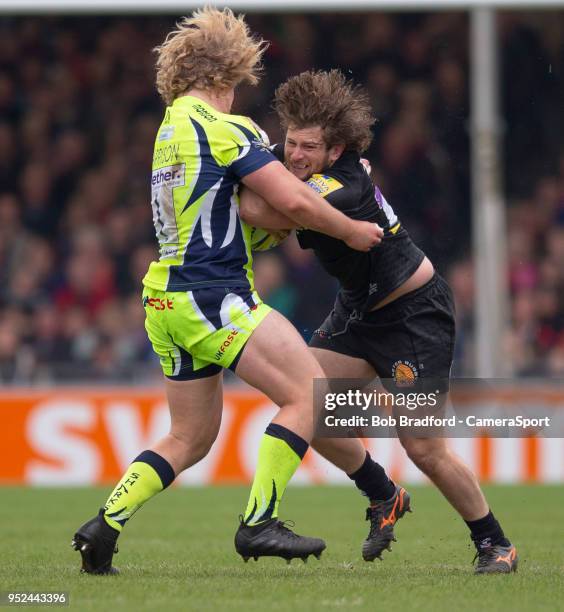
{"x":393,"y":316}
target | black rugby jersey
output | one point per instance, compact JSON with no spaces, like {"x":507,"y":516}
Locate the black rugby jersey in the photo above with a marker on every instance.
{"x":365,"y":278}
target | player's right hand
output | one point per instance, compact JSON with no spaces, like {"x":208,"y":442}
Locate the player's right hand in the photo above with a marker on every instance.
{"x":364,"y":235}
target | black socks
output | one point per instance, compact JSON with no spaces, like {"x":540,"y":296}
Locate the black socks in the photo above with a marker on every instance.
{"x":372,"y":480}
{"x":487,"y":532}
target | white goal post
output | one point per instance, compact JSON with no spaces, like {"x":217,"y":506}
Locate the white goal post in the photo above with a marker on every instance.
{"x":488,"y":208}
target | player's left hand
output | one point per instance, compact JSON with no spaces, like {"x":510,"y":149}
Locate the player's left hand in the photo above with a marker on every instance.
{"x":364,"y":236}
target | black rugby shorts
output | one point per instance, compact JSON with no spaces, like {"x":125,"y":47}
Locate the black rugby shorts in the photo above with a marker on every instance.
{"x":409,"y":340}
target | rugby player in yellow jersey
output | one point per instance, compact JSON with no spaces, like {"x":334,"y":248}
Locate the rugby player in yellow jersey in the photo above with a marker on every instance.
{"x":202,"y":313}
{"x":393,"y":312}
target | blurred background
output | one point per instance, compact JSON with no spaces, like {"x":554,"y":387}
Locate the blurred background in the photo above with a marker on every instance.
{"x":78,"y":115}
{"x":82,"y":389}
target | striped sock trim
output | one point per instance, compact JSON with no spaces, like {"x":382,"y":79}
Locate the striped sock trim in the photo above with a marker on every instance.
{"x":161,"y":466}
{"x":295,"y":442}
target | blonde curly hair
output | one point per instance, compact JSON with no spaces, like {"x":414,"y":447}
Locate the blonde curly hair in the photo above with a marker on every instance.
{"x":211,"y":50}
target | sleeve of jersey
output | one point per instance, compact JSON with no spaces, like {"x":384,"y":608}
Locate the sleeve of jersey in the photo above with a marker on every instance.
{"x":254,"y":154}
{"x":329,"y":188}
{"x":278,"y":151}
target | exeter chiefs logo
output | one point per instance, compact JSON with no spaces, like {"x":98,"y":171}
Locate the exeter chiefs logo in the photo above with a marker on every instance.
{"x":404,"y":373}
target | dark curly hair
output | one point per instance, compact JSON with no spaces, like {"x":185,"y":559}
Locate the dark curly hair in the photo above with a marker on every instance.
{"x":328,"y":100}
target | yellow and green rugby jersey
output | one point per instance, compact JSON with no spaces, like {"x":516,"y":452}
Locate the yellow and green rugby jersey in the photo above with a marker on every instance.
{"x":200,"y":157}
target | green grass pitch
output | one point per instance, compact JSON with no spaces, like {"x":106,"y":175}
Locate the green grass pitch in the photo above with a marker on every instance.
{"x":177,"y":553}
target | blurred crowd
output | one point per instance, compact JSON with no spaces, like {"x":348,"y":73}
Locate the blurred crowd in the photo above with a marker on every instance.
{"x":78,"y":115}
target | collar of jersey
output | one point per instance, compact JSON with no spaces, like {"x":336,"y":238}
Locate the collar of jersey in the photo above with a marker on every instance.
{"x":187,"y":100}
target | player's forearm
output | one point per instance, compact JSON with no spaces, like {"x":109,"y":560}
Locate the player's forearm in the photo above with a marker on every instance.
{"x":310,"y":210}
{"x":293,"y":199}
{"x":256,"y":212}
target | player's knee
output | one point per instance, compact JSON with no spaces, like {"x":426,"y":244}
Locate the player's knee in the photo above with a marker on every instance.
{"x":317,"y":372}
{"x":299,"y":390}
{"x":426,"y":454}
{"x":297,"y":396}
{"x":311,"y":383}
{"x":193,"y":447}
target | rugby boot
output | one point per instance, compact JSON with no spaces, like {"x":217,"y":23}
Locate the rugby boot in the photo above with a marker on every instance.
{"x":273,"y":538}
{"x":383,"y":515}
{"x":496,"y":559}
{"x":97,"y":542}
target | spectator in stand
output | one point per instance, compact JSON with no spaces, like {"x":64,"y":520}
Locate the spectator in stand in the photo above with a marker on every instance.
{"x":78,"y":114}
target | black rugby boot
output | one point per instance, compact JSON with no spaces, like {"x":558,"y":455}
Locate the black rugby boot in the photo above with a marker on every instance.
{"x":97,"y":542}
{"x":273,"y":538}
{"x":496,"y":559}
{"x":383,"y":515}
